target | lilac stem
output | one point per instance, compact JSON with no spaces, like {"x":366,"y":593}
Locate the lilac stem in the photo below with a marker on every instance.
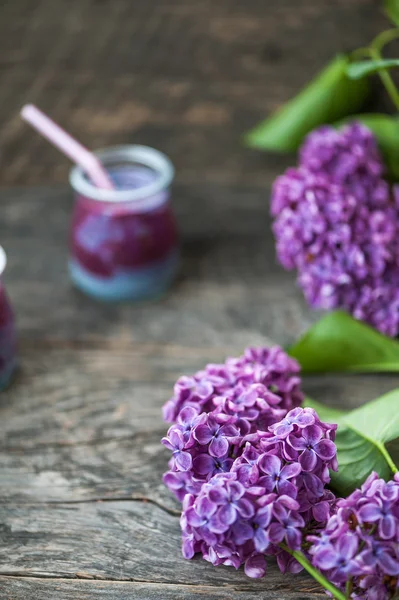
{"x":315,"y":573}
{"x":386,"y":79}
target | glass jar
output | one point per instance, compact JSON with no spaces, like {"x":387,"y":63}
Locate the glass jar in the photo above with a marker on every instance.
{"x":123,"y":242}
{"x":8,"y":342}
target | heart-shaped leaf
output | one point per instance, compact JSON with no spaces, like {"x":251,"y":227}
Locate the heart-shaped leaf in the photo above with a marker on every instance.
{"x":330,"y":96}
{"x":392,"y":10}
{"x":362,"y":68}
{"x":361,"y":440}
{"x":386,"y":130}
{"x":338,"y":342}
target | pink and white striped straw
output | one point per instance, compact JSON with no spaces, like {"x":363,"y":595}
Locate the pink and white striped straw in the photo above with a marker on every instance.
{"x":68,"y":145}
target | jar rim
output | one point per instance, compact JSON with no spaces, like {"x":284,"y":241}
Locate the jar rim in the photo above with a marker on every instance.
{"x":3,"y":260}
{"x":143,"y":155}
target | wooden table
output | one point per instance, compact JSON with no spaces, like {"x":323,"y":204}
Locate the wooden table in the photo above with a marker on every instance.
{"x":83,"y":512}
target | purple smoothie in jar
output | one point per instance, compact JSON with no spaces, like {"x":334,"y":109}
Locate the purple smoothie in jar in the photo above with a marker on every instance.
{"x":8,"y":349}
{"x":123,"y":242}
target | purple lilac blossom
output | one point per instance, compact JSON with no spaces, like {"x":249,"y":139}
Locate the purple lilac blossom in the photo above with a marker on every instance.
{"x":260,"y":387}
{"x":266,"y":493}
{"x":346,"y":155}
{"x":237,"y":527}
{"x":336,"y":222}
{"x":361,"y":541}
{"x":216,"y":412}
{"x":248,"y":464}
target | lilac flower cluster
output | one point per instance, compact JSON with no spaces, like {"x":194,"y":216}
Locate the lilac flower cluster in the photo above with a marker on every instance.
{"x":360,"y":543}
{"x":260,"y":387}
{"x":336,"y":222}
{"x":273,"y":493}
{"x":220,"y":408}
{"x":251,"y":474}
{"x":233,"y":525}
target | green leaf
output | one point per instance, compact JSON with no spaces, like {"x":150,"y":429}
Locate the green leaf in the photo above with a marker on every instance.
{"x":392,"y":10}
{"x":328,"y":97}
{"x":340,"y":343}
{"x":362,"y":68}
{"x":386,"y":130}
{"x":361,"y":440}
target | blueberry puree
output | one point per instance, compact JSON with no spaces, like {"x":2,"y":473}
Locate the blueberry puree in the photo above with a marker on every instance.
{"x":7,"y":339}
{"x":124,"y":249}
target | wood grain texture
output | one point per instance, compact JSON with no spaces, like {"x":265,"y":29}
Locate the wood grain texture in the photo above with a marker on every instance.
{"x":80,"y":458}
{"x":228,"y":265}
{"x":84,"y":423}
{"x":124,"y":541}
{"x":83,"y":512}
{"x":188,"y":77}
{"x":86,"y":589}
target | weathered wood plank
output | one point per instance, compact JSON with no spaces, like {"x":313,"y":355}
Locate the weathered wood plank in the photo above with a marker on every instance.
{"x":130,"y":541}
{"x":228,"y":265}
{"x":83,"y":422}
{"x":198,"y":126}
{"x":184,"y":76}
{"x":47,"y":589}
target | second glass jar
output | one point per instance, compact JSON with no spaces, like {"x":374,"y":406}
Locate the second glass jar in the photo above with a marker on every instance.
{"x":123,"y":242}
{"x":8,"y":341}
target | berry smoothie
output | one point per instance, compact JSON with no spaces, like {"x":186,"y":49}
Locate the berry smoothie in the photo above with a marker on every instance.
{"x":124,"y":250}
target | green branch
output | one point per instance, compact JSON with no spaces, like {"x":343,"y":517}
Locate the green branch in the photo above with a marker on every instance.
{"x":348,"y":588}
{"x":315,"y":573}
{"x":386,"y":79}
{"x":388,"y":458}
{"x":383,"y":38}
